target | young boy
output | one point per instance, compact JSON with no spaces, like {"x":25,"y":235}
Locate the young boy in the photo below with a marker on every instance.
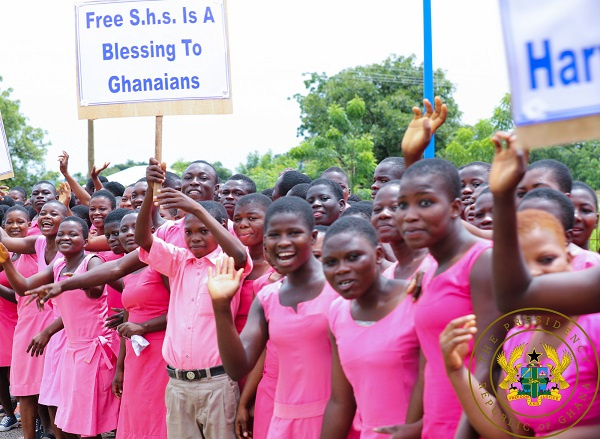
{"x":201,"y":399}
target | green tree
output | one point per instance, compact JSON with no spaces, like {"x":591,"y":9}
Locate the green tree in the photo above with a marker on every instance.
{"x":27,"y":144}
{"x":265,"y":169}
{"x":389,"y":89}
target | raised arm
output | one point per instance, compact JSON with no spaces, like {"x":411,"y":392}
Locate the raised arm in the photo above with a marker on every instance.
{"x":18,"y":245}
{"x":80,"y":193}
{"x":20,"y":283}
{"x":7,"y":294}
{"x":143,"y":224}
{"x":155,"y":175}
{"x":95,"y":173}
{"x":421,"y":129}
{"x":238,"y":353}
{"x":173,"y":199}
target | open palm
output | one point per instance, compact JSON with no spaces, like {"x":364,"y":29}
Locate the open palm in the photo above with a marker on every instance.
{"x":508,"y":166}
{"x":225,"y":281}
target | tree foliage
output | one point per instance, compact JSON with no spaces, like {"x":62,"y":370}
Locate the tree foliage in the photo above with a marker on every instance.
{"x":264,"y":169}
{"x":389,"y":90}
{"x":27,"y":145}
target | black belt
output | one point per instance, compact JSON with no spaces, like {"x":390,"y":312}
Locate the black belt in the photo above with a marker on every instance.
{"x":196,"y":374}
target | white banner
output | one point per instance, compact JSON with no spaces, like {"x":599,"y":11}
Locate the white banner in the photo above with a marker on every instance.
{"x":553,"y":51}
{"x":133,"y":51}
{"x":6,"y":169}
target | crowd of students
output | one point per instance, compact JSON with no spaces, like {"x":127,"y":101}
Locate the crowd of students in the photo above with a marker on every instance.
{"x":207,"y":310}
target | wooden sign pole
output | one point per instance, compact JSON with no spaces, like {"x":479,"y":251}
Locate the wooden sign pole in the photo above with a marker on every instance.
{"x":158,"y":147}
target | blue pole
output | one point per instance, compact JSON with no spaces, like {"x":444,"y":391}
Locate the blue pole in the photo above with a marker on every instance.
{"x":428,"y":67}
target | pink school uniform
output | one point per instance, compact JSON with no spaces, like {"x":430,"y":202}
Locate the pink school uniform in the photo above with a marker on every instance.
{"x":583,"y":259}
{"x":388,"y":346}
{"x":145,"y":297}
{"x":50,"y":388}
{"x":34,"y":229}
{"x":304,"y":379}
{"x":581,"y":375}
{"x":26,"y":371}
{"x":87,"y":405}
{"x":114,"y":297}
{"x":8,"y":322}
{"x":445,"y":297}
{"x":173,"y":232}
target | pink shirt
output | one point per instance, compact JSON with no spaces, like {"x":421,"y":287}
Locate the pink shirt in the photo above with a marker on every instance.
{"x":583,"y":259}
{"x":191,"y":337}
{"x":446,"y":297}
{"x":34,"y":229}
{"x":114,"y":296}
{"x":173,"y":232}
{"x":391,"y":348}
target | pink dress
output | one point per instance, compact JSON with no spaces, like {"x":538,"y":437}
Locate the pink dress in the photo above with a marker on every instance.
{"x":114,"y":297}
{"x":8,"y":322}
{"x":26,"y":371}
{"x":87,"y":404}
{"x":391,"y":348}
{"x":583,"y":259}
{"x":50,"y":388}
{"x":581,"y":375}
{"x":145,"y":297}
{"x":246,"y":298}
{"x":425,"y":266}
{"x":304,"y":379}
{"x":446,"y":297}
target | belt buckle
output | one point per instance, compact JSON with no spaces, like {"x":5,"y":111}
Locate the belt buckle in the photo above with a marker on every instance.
{"x":190,"y":375}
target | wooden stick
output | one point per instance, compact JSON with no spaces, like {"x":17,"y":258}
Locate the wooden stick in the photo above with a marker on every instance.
{"x":158,"y":147}
{"x":90,"y":126}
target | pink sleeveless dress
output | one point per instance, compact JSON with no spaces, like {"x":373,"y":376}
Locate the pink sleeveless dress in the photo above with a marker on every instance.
{"x":8,"y":322}
{"x":114,"y":297}
{"x":428,"y":266}
{"x":87,"y":404}
{"x":26,"y":371}
{"x":145,"y":297}
{"x":265,"y":393}
{"x":304,"y":380}
{"x":446,"y":297}
{"x":50,"y":388}
{"x":581,"y":374}
{"x":246,"y":298}
{"x":391,"y":348}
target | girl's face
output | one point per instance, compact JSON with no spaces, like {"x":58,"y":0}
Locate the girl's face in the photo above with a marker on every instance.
{"x":249,"y":224}
{"x":544,"y":252}
{"x":198,"y":238}
{"x":126,"y":199}
{"x":350,"y":264}
{"x":288,"y":242}
{"x":383,"y":218}
{"x":16,"y":224}
{"x":317,"y":247}
{"x":586,"y":216}
{"x":127,"y":232}
{"x":111,"y":232}
{"x":69,"y":239}
{"x":326,"y":207}
{"x":138,"y":194}
{"x":534,"y":179}
{"x":482,"y":217}
{"x":471,"y":178}
{"x":99,"y":208}
{"x":425,"y":211}
{"x":49,"y":219}
{"x":17,"y":196}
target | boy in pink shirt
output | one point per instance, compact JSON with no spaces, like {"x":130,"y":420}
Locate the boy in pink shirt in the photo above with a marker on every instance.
{"x":201,"y":399}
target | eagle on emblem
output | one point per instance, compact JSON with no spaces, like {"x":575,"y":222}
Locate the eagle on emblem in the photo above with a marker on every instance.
{"x":559,"y":366}
{"x":508,"y":365}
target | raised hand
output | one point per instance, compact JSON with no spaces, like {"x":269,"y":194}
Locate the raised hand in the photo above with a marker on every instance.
{"x":96,"y":171}
{"x":170,"y":198}
{"x":38,"y":344}
{"x":4,"y":254}
{"x":454,"y":341}
{"x":64,"y":193}
{"x":63,"y":161}
{"x":422,"y":128}
{"x":4,"y":191}
{"x":155,"y":172}
{"x":225,"y":281}
{"x":508,"y":166}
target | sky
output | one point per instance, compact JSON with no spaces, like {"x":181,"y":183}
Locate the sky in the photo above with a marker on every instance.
{"x":272,"y":44}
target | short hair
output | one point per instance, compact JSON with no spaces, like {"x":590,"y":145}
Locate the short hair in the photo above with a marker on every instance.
{"x":300,"y":190}
{"x":3,"y":209}
{"x":171,"y":179}
{"x":32,"y":212}
{"x":363,"y":209}
{"x":294,"y":205}
{"x":46,"y":182}
{"x":321,"y":228}
{"x":581,"y":185}
{"x":437,"y":168}
{"x":391,"y":183}
{"x":354,"y":198}
{"x":245,"y":179}
{"x":334,"y":170}
{"x":116,"y":215}
{"x":290,"y":179}
{"x":564,"y":203}
{"x":90,"y":183}
{"x":485,"y":191}
{"x":15,"y":208}
{"x":533,"y":219}
{"x":20,"y":190}
{"x":103,"y":193}
{"x":398,"y":165}
{"x":214,"y":209}
{"x":82,"y":223}
{"x":7,"y":201}
{"x":268,"y":192}
{"x":115,"y":188}
{"x":83,"y":212}
{"x":353,"y":225}
{"x":60,"y":205}
{"x":141,"y":180}
{"x":335,"y":187}
{"x":258,"y":199}
{"x":486,"y":166}
{"x":204,"y":162}
{"x":559,"y":170}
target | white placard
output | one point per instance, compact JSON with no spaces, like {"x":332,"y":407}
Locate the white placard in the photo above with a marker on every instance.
{"x":6,"y":169}
{"x":553,"y":51}
{"x":134,"y":51}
